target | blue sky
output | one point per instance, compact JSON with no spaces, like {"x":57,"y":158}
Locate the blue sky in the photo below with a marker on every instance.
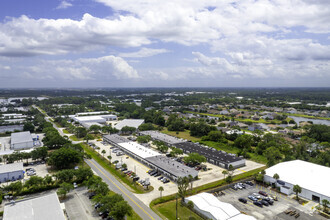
{"x":111,"y":43}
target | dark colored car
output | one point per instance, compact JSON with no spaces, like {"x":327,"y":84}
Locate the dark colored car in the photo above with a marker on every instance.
{"x":264,"y":202}
{"x":157,"y":174}
{"x":257,"y":203}
{"x":242,"y":200}
{"x":249,"y":183}
{"x":263,"y":193}
{"x":91,"y":195}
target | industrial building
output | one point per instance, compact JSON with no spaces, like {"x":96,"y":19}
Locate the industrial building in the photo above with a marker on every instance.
{"x":151,"y":158}
{"x":135,"y":123}
{"x":212,"y":208}
{"x":219,"y":158}
{"x":21,"y":140}
{"x":11,"y":172}
{"x":313,"y":179}
{"x":40,"y":208}
{"x":155,"y":135}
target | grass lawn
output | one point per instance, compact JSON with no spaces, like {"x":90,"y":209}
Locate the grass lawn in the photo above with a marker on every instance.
{"x":181,"y":134}
{"x":168,"y":210}
{"x":74,"y":138}
{"x":65,"y":131}
{"x":308,"y":116}
{"x":116,"y":173}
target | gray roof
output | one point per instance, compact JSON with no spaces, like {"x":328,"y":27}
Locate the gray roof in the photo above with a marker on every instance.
{"x":171,"y":166}
{"x":12,"y":167}
{"x":115,"y":138}
{"x":163,"y":137}
{"x":130,"y":123}
{"x":41,"y":208}
{"x":21,"y":137}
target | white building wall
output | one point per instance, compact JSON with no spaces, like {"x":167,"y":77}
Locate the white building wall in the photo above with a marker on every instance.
{"x":23,"y":145}
{"x":11,"y":176}
{"x":305,"y":193}
{"x":240,"y":163}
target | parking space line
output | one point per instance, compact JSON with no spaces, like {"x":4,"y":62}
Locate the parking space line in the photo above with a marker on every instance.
{"x":241,"y":170}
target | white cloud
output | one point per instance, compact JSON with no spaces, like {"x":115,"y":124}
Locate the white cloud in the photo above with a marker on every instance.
{"x":64,"y":5}
{"x":144,"y":52}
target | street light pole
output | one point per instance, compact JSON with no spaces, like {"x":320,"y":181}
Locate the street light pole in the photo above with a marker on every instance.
{"x":176,"y":206}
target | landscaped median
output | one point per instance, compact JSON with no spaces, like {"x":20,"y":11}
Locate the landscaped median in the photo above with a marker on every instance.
{"x":116,"y":173}
{"x":165,"y":206}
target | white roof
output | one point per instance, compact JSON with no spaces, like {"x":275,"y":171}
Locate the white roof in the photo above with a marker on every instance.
{"x":208,"y":203}
{"x":307,"y":175}
{"x":45,"y":207}
{"x":89,"y":119}
{"x":21,"y":137}
{"x":139,"y":150}
{"x":12,"y":167}
{"x":130,"y":123}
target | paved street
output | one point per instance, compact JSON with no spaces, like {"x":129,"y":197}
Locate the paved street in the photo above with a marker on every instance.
{"x":139,"y":207}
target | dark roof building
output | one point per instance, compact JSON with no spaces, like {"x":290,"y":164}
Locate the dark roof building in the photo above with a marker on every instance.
{"x":219,"y":158}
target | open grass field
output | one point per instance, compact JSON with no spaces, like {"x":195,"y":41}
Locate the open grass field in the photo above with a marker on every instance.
{"x":167,"y":209}
{"x":181,"y":134}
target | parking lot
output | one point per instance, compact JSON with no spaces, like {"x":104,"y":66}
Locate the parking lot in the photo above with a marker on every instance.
{"x":78,"y":206}
{"x":275,"y":211}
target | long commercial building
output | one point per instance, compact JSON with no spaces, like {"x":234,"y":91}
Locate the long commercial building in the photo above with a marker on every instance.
{"x":167,"y":166}
{"x":313,"y":179}
{"x":219,"y":158}
{"x":21,"y":140}
{"x":212,"y":208}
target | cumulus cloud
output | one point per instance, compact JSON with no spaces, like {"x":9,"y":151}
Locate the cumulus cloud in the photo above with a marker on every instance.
{"x":144,"y":52}
{"x":64,"y":5}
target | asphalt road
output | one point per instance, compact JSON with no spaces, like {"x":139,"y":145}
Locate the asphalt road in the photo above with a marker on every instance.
{"x":140,"y":208}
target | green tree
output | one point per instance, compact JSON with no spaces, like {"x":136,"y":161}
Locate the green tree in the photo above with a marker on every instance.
{"x":194,"y":158}
{"x":103,"y":152}
{"x":297,"y":190}
{"x":146,"y":127}
{"x":64,"y":189}
{"x":34,"y":182}
{"x":120,"y":210}
{"x":325,"y":204}
{"x":190,"y":205}
{"x":88,"y":137}
{"x":28,"y":126}
{"x":128,"y":130}
{"x":95,"y":129}
{"x":276,"y":176}
{"x":176,"y":151}
{"x":64,"y":158}
{"x":80,"y":132}
{"x":143,"y":139}
{"x":182,"y":183}
{"x":82,"y":174}
{"x":65,"y":175}
{"x":48,"y":180}
{"x":224,"y":172}
{"x":161,"y":189}
{"x":109,"y":157}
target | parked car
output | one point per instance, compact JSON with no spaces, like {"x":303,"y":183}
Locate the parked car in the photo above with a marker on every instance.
{"x":264,"y":202}
{"x":157,"y":174}
{"x":257,"y":203}
{"x":75,"y":185}
{"x":234,"y":187}
{"x":263,"y":193}
{"x":242,"y":200}
{"x":160,"y":178}
{"x":252,"y":198}
{"x":249,"y":183}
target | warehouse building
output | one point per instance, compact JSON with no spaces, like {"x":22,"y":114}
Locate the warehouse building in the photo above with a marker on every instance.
{"x":40,"y":208}
{"x":11,"y":172}
{"x":219,"y":158}
{"x":168,"y":167}
{"x":212,"y":208}
{"x":135,"y":123}
{"x":313,"y":179}
{"x":21,"y":140}
{"x":155,"y":135}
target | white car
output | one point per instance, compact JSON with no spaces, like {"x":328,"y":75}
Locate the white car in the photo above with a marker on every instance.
{"x":75,"y":185}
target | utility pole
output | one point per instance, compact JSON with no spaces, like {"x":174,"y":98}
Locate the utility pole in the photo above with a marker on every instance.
{"x":176,"y":206}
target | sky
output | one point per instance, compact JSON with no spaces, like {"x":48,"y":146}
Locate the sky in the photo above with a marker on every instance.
{"x":172,"y":43}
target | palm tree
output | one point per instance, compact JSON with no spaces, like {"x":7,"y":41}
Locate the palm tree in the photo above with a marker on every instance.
{"x":225,"y":172}
{"x":297,"y":189}
{"x":109,"y":157}
{"x":161,"y":189}
{"x":103,"y":152}
{"x":276,"y":176}
{"x":325,"y":204}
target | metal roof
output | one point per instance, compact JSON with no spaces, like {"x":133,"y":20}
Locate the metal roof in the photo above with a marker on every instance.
{"x":208,"y":152}
{"x":138,"y":149}
{"x":12,"y":167}
{"x":41,"y":208}
{"x":171,"y":166}
{"x":163,"y":137}
{"x":130,"y":123}
{"x":21,"y":137}
{"x":307,"y":175}
{"x":115,"y":138}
